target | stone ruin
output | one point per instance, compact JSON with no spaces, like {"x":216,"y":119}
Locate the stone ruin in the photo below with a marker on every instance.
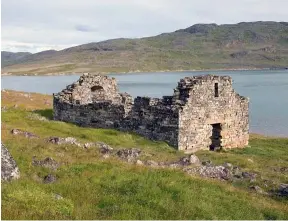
{"x":204,"y":112}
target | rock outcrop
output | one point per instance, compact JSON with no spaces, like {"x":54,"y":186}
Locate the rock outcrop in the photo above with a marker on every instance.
{"x":9,"y":168}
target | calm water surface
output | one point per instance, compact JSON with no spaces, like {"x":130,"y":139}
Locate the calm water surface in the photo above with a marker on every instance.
{"x":267,"y":90}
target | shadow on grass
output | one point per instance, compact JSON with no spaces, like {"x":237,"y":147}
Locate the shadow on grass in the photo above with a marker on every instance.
{"x":48,"y":113}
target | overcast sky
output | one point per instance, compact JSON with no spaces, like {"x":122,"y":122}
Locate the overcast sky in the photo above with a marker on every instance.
{"x":36,"y":25}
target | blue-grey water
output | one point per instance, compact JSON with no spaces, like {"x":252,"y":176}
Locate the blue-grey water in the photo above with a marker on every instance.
{"x":267,"y":90}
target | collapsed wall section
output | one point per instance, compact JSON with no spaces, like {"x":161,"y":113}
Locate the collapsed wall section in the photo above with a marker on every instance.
{"x":156,"y":119}
{"x":89,"y":89}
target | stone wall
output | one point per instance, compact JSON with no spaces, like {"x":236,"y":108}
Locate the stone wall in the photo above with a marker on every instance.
{"x":184,"y":120}
{"x":205,"y":107}
{"x":89,"y":89}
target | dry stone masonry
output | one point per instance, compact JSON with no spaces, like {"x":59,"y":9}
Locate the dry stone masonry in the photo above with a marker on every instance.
{"x":204,"y":112}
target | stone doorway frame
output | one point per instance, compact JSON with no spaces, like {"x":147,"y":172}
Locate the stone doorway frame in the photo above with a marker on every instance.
{"x":216,"y":137}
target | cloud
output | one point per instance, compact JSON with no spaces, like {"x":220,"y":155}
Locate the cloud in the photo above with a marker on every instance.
{"x":61,"y":23}
{"x":33,"y":47}
{"x":85,"y":28}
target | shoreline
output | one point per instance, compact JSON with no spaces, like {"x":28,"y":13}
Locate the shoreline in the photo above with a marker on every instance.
{"x":151,"y":71}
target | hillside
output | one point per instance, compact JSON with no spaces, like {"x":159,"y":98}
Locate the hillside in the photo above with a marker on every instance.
{"x":9,"y":58}
{"x":201,"y":46}
{"x":67,"y":181}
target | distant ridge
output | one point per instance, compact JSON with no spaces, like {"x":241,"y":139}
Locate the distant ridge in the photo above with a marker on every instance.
{"x":201,"y":46}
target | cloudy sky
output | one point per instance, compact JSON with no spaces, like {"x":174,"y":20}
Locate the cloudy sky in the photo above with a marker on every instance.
{"x":36,"y":25}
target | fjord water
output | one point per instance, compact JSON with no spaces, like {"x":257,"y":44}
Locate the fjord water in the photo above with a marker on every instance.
{"x":267,"y":90}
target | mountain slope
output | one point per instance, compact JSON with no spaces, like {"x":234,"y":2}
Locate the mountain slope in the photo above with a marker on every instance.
{"x":9,"y":58}
{"x":201,"y":46}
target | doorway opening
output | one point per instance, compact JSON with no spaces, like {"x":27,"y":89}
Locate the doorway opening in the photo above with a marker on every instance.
{"x":216,"y":137}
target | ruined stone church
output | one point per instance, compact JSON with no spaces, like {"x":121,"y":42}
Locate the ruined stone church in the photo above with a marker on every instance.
{"x":204,"y":112}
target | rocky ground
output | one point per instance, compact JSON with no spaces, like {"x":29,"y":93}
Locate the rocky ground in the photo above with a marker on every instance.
{"x":190,"y":164}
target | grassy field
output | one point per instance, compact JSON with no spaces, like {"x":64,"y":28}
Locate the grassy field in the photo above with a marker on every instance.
{"x":97,"y":188}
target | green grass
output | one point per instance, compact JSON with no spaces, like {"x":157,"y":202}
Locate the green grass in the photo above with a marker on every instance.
{"x":97,"y":188}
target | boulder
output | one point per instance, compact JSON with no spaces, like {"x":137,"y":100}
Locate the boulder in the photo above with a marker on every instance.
{"x":50,"y":178}
{"x":9,"y":168}
{"x":250,"y":176}
{"x":67,"y":140}
{"x":257,"y":189}
{"x":193,"y":159}
{"x":104,"y":148}
{"x":89,"y":145}
{"x":236,"y":171}
{"x":228,"y":165}
{"x":215,"y":172}
{"x":23,"y":133}
{"x":48,"y":162}
{"x":129,"y":154}
{"x":283,"y":190}
{"x":185,"y":161}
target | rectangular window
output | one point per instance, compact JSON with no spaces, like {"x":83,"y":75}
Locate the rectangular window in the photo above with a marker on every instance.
{"x":216,"y":92}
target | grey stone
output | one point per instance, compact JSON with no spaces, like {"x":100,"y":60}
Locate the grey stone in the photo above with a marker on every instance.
{"x":23,"y":133}
{"x":237,"y":173}
{"x":106,"y":156}
{"x":194,"y":159}
{"x":283,"y":190}
{"x":203,"y":113}
{"x":174,"y":165}
{"x":139,"y":162}
{"x":67,"y":140}
{"x":216,"y":172}
{"x":185,"y":161}
{"x":104,"y":148}
{"x":50,"y":178}
{"x":89,"y":145}
{"x":9,"y":168}
{"x":249,"y":175}
{"x":228,"y":165}
{"x":257,"y":189}
{"x":129,"y":154}
{"x":48,"y":162}
{"x":58,"y":196}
